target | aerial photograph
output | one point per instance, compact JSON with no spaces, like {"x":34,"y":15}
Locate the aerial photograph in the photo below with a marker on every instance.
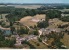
{"x":34,"y":24}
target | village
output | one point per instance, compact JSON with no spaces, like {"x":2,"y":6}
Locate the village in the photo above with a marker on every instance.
{"x":31,"y":21}
{"x":34,"y":26}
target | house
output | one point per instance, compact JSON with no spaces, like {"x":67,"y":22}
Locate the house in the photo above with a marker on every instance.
{"x":18,"y":41}
{"x":63,"y":46}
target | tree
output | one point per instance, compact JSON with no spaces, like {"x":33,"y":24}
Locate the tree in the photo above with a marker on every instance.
{"x":12,"y":29}
{"x":53,"y":14}
{"x":40,"y":40}
{"x":65,"y":18}
{"x":42,"y":24}
{"x":35,"y":32}
{"x":1,"y":16}
{"x":7,"y":43}
{"x":11,"y":23}
{"x":56,"y":37}
{"x":23,"y":30}
{"x":58,"y":44}
{"x":34,"y":11}
{"x":26,"y":42}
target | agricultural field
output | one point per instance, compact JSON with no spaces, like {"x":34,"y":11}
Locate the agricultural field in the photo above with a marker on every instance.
{"x":24,"y":6}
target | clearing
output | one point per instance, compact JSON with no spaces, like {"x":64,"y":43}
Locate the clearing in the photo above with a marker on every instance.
{"x":28,"y":19}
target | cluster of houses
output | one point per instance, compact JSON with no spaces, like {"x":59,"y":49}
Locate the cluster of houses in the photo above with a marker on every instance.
{"x":27,"y":38}
{"x":45,"y":31}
